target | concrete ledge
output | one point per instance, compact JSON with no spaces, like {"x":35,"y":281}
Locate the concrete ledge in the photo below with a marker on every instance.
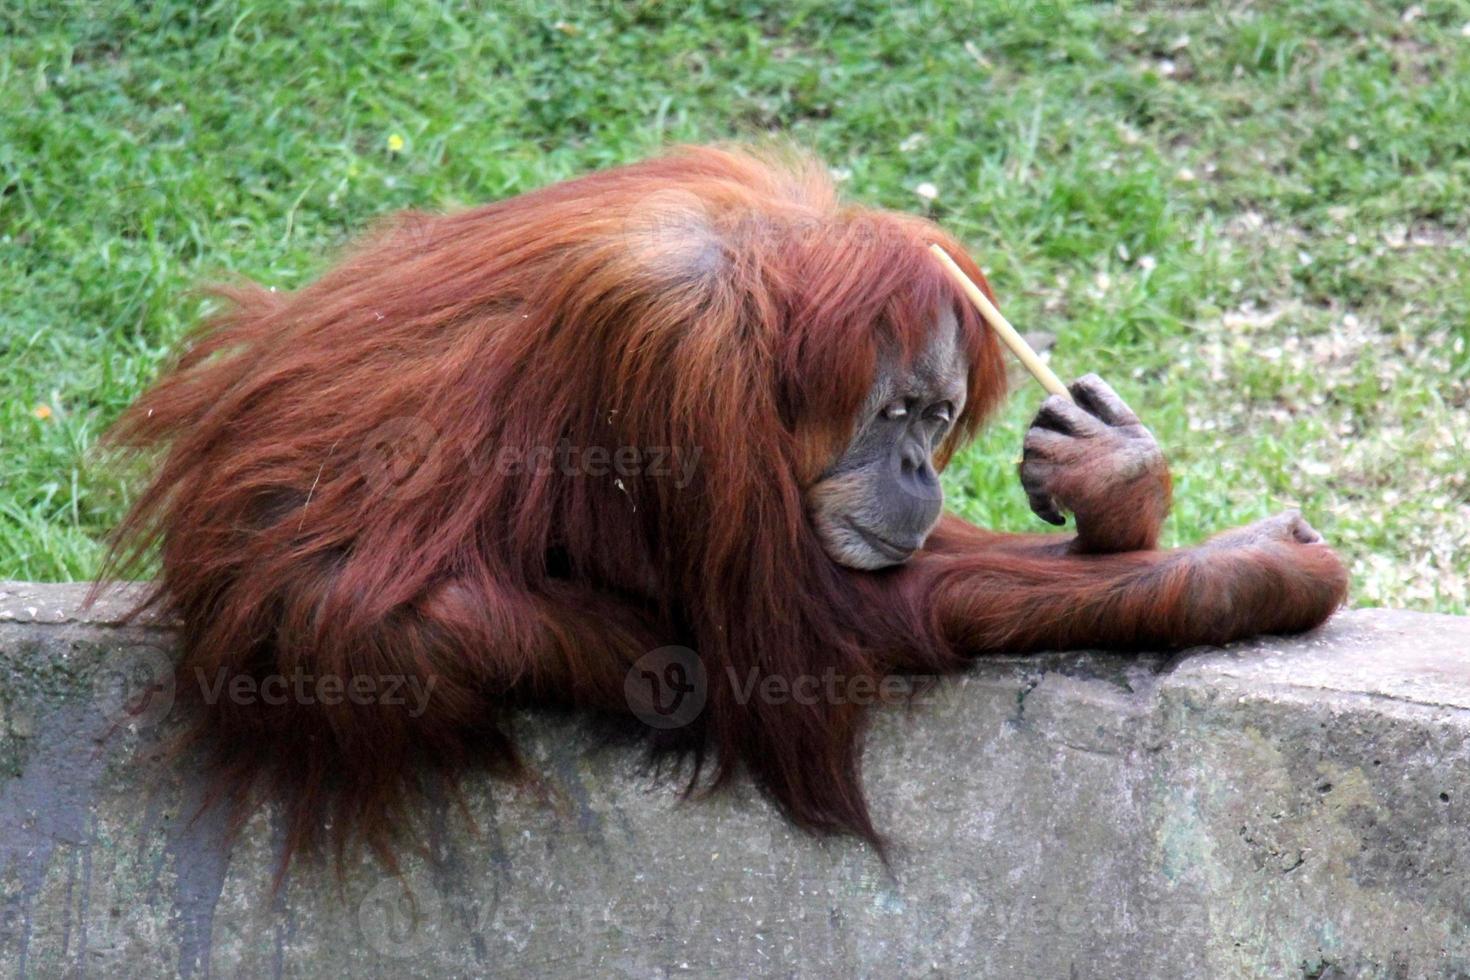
{"x":1281,"y":808}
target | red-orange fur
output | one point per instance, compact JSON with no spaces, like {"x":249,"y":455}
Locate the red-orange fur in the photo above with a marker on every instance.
{"x":708,"y":300}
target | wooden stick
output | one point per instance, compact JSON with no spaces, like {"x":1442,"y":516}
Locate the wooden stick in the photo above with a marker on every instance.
{"x":998,"y":323}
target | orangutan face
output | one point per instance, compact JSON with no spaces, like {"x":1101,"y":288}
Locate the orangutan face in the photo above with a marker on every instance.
{"x":875,"y":505}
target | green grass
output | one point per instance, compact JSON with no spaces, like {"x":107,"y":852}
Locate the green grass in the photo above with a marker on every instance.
{"x":1251,"y":217}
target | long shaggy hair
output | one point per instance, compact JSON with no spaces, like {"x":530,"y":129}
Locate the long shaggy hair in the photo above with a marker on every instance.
{"x":715,"y":303}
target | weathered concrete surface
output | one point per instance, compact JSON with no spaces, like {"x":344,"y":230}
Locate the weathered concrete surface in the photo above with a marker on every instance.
{"x":1282,"y":808}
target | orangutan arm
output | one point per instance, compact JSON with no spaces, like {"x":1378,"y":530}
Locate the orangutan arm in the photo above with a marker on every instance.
{"x":989,"y":592}
{"x":1107,"y":586}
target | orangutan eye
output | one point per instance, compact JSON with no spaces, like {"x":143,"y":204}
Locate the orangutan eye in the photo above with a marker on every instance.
{"x":942,"y":412}
{"x":897,"y":410}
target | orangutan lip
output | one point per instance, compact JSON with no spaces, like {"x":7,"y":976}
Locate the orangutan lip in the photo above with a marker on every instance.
{"x":883,"y":546}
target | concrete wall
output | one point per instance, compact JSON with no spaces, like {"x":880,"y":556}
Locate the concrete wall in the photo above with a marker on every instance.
{"x":1282,"y":808}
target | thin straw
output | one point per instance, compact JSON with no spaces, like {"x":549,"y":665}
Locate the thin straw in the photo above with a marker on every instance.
{"x":1001,"y":326}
